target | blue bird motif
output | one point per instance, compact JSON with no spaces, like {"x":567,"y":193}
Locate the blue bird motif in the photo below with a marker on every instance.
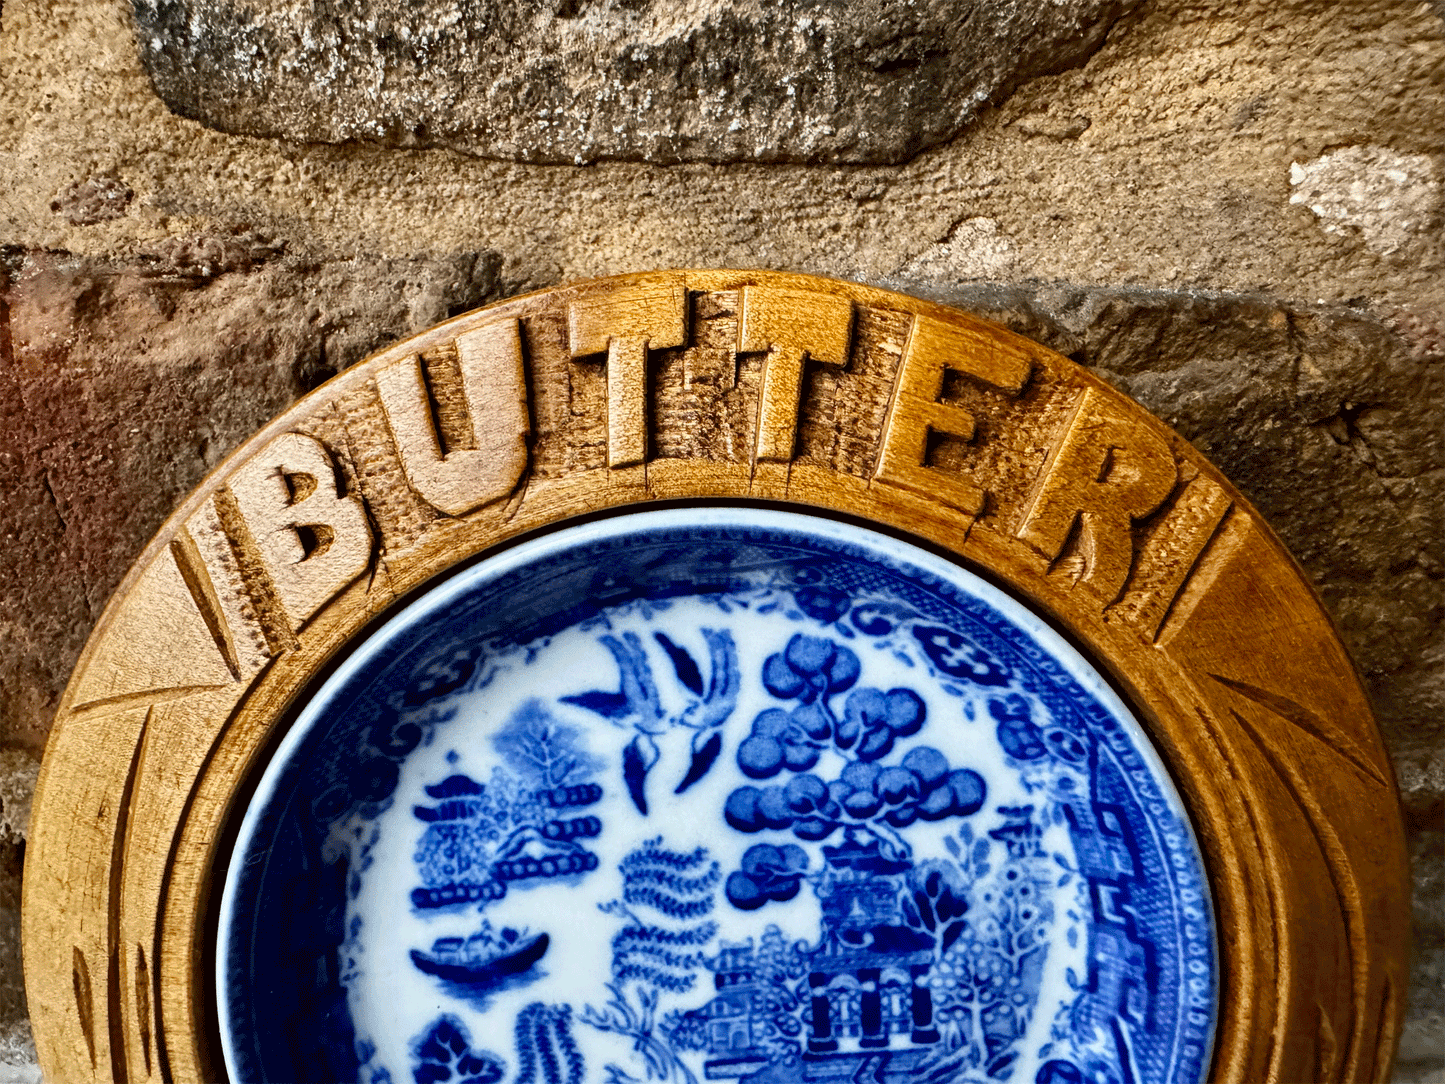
{"x":637,"y":704}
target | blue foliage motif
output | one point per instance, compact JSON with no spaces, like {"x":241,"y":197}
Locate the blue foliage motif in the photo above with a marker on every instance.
{"x":867,"y":796}
{"x":985,"y":986}
{"x":546,"y":1052}
{"x":666,"y":898}
{"x":544,"y":753}
{"x":443,"y":1054}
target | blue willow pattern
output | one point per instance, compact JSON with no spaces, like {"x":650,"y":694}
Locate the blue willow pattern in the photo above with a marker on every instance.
{"x":929,"y":896}
{"x":482,"y":837}
{"x":924,"y":967}
{"x":891,"y":926}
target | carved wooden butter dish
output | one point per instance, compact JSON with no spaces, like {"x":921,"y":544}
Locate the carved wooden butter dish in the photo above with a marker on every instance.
{"x":715,"y":675}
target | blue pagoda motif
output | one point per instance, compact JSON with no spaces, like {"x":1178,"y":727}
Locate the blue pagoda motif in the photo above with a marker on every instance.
{"x":1122,"y":958}
{"x":820,"y":1011}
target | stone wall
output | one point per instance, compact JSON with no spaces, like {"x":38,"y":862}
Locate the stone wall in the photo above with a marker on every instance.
{"x":1232,"y":209}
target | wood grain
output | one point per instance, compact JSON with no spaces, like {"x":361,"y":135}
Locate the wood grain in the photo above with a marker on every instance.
{"x":721,"y":385}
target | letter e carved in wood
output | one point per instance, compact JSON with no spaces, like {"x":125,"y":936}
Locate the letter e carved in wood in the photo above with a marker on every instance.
{"x":934,"y":348}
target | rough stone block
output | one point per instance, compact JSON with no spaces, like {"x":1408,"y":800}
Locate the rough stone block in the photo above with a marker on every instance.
{"x":642,"y":80}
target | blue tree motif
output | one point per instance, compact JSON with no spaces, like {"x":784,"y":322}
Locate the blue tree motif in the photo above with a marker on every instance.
{"x":481,"y":837}
{"x":443,"y":1054}
{"x":1019,"y":735}
{"x":542,"y":751}
{"x":768,"y":873}
{"x":638,"y":704}
{"x":658,"y":954}
{"x":937,"y":901}
{"x":987,"y":983}
{"x":867,"y":795}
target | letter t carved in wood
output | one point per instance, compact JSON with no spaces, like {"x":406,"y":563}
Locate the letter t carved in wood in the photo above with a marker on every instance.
{"x":789,"y":324}
{"x":626,"y":324}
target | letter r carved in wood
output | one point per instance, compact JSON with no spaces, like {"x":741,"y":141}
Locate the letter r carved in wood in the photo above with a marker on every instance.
{"x":1105,"y":474}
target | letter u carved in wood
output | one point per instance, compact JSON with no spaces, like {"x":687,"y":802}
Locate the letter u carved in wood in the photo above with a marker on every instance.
{"x":494,"y":391}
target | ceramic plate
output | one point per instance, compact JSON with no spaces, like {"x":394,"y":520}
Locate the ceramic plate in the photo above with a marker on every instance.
{"x":716,"y":794}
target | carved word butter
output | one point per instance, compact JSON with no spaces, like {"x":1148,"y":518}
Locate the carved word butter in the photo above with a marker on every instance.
{"x":286,"y":533}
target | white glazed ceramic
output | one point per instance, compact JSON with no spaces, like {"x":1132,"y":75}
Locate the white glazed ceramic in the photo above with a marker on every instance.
{"x":721,"y":793}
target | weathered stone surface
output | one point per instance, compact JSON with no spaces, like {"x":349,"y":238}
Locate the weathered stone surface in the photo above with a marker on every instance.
{"x":17,"y":783}
{"x":16,"y":1048}
{"x":120,"y":386}
{"x":1422,"y":1045}
{"x":1196,"y":111}
{"x":1392,"y":199}
{"x":93,"y":200}
{"x":636,"y":80}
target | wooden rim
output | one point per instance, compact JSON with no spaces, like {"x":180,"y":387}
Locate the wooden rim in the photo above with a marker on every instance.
{"x":731,"y":386}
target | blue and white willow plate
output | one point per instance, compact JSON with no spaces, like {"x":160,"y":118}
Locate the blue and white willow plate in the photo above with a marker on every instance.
{"x":716,"y":794}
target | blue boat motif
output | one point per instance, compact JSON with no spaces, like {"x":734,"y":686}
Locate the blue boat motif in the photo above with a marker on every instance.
{"x":483,"y":960}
